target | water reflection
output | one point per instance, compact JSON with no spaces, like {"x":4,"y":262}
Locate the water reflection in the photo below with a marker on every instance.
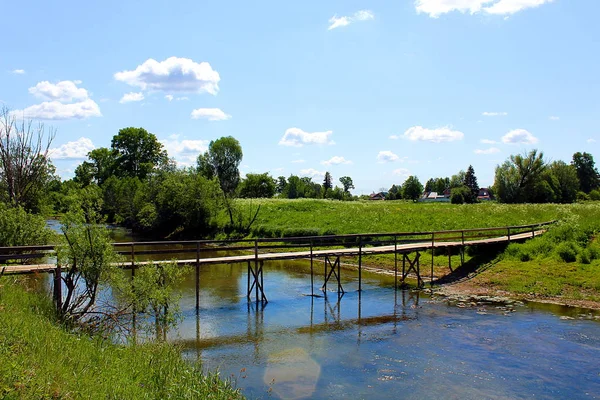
{"x":382,"y":343}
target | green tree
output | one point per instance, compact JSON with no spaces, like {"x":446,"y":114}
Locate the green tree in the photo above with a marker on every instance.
{"x":137,"y":152}
{"x":589,"y":178}
{"x":457,"y":180}
{"x":347,"y":183}
{"x":222,"y":160}
{"x":394,"y":193}
{"x":327,"y":185}
{"x":257,"y":186}
{"x":280,"y":185}
{"x":412,"y":188}
{"x":460,"y":195}
{"x":519,"y":179}
{"x":471,"y":182}
{"x":565,"y":182}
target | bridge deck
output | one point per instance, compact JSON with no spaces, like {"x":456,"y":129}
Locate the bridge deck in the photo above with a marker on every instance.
{"x":353,"y":251}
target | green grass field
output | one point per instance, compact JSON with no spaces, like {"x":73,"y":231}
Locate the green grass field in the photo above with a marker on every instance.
{"x":40,"y":360}
{"x":565,"y":262}
{"x":280,"y":217}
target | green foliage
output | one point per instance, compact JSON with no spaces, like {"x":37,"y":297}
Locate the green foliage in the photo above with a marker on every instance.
{"x":595,"y":195}
{"x":40,"y":360}
{"x":412,"y":188}
{"x":136,"y":152}
{"x":394,"y":193}
{"x":327,"y":185}
{"x":347,"y":183}
{"x":89,"y":261}
{"x":471,"y":183}
{"x":567,"y":251}
{"x":519,"y":179}
{"x":19,"y":228}
{"x":589,"y":178}
{"x":461,"y":195}
{"x":257,"y":186}
{"x":222,"y":160}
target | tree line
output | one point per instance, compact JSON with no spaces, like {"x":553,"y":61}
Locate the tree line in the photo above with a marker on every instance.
{"x":135,"y":183}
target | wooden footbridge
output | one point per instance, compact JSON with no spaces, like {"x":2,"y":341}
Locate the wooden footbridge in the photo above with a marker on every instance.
{"x":254,"y":252}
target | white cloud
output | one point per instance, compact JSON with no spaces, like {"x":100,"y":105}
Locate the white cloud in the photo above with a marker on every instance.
{"x":63,"y":91}
{"x":130,"y":97}
{"x":313,"y":173}
{"x":211,"y":114}
{"x":387,"y":156}
{"x":491,"y":150}
{"x":402,"y":172}
{"x":361,"y":15}
{"x":519,"y":136}
{"x":438,"y":135}
{"x":297,"y":137}
{"x":394,"y":137}
{"x":170,"y":97}
{"x":298,"y":161}
{"x":173,"y":75}
{"x":435,"y":8}
{"x":494,"y":114}
{"x":504,"y":7}
{"x":55,"y":110}
{"x":336,"y":160}
{"x":554,"y":118}
{"x":72,"y":150}
{"x":591,"y":140}
{"x":18,"y":71}
{"x":488,"y":141}
{"x":185,"y":151}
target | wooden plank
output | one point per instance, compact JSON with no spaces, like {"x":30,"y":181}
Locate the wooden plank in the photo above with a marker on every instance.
{"x":353,"y":251}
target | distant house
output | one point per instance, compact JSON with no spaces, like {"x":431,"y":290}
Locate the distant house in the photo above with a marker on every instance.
{"x":377,"y":196}
{"x":436,"y":197}
{"x":484,"y":194}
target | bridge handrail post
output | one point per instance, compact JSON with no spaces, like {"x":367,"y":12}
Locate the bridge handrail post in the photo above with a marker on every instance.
{"x":432,"y":255}
{"x":395,"y":262}
{"x":360,"y":263}
{"x":508,"y":234}
{"x":197,"y":276}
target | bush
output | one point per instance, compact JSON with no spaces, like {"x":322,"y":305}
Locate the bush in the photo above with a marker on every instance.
{"x":567,"y":251}
{"x":595,"y":195}
{"x":19,"y":228}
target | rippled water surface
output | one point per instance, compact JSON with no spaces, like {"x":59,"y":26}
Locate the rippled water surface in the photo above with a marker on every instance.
{"x":383,"y":343}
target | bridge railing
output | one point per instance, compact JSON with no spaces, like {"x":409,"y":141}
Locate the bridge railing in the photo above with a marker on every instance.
{"x":198,"y":249}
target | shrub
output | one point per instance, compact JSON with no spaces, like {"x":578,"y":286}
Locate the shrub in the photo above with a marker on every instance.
{"x":595,"y":195}
{"x":19,"y":228}
{"x":567,"y":251}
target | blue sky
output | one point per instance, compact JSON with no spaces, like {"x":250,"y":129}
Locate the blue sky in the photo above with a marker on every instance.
{"x":374,"y":90}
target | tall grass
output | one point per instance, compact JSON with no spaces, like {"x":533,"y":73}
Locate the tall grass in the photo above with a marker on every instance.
{"x":39,"y":359}
{"x":303,"y":217}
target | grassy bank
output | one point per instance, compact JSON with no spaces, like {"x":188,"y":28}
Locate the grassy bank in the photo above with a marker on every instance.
{"x":39,"y":359}
{"x":280,"y":217}
{"x":564,"y":263}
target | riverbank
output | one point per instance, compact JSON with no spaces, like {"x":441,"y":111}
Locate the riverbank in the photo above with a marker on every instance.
{"x":39,"y":359}
{"x":562,"y":266}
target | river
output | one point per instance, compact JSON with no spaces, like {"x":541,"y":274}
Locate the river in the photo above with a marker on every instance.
{"x":381,"y":343}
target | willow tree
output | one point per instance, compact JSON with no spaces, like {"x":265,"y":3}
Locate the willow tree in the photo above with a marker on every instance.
{"x":25,"y":167}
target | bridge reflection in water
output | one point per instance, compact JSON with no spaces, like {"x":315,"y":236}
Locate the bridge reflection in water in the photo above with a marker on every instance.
{"x":286,"y":350}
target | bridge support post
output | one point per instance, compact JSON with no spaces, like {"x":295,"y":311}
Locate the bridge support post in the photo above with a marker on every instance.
{"x":197,"y":275}
{"x":255,"y":281}
{"x":414,"y":266}
{"x":330,"y":269}
{"x":58,"y":287}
